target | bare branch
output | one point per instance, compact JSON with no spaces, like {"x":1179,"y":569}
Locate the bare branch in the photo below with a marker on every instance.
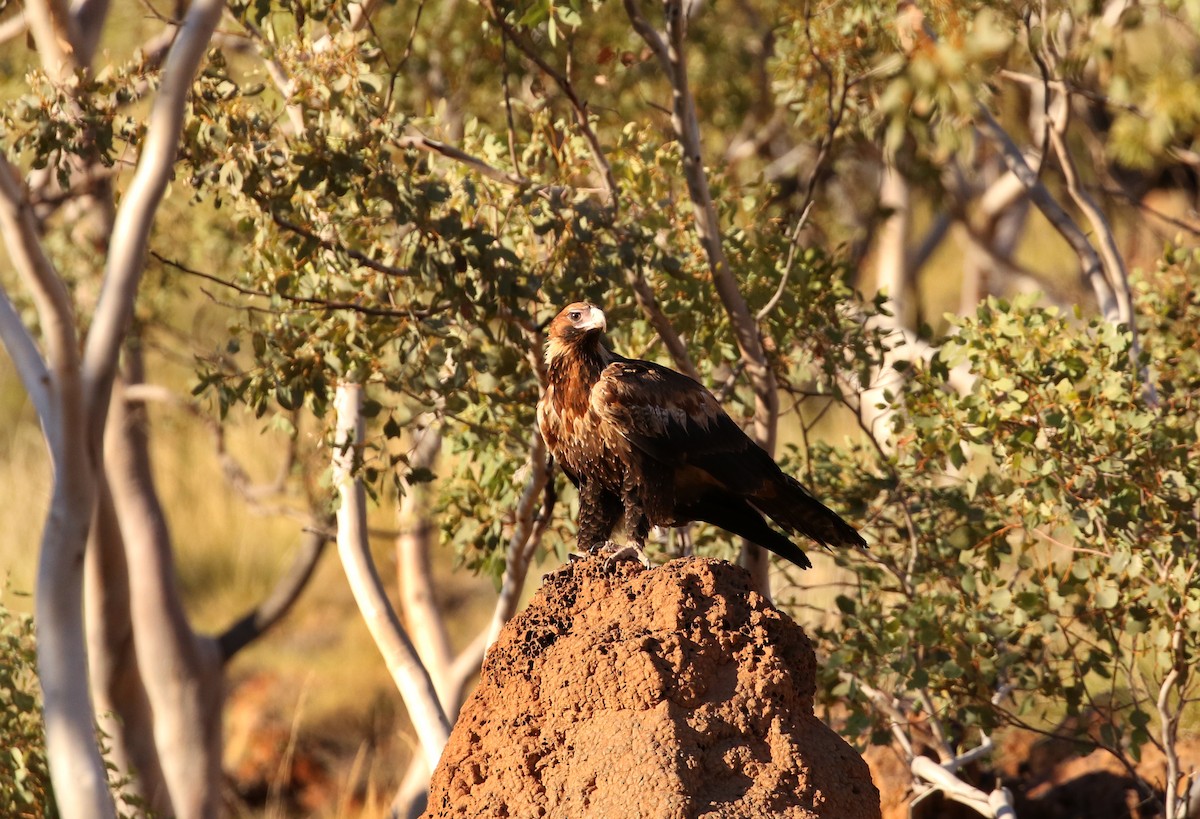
{"x":54,"y":34}
{"x":279,"y":76}
{"x":434,"y":146}
{"x":1114,"y":265}
{"x":996,"y":804}
{"x":578,"y":107}
{"x":793,"y":247}
{"x":519,"y":554}
{"x":356,"y":255}
{"x":687,"y":130}
{"x":412,"y":679}
{"x":1169,"y":719}
{"x":50,"y":297}
{"x":324,"y":304}
{"x":26,"y":357}
{"x":15,"y":26}
{"x":254,"y":623}
{"x":643,"y":293}
{"x":88,"y":18}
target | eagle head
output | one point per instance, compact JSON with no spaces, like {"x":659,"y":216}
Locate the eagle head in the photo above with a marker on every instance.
{"x":578,"y":326}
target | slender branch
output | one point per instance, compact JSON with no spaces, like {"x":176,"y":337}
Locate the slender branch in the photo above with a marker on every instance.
{"x":671,"y":55}
{"x":254,"y":623}
{"x":836,"y":104}
{"x":924,"y":250}
{"x":26,"y":357}
{"x":793,"y":247}
{"x":1114,"y":265}
{"x":324,"y":304}
{"x":135,"y":216}
{"x":50,"y":298}
{"x":54,"y":35}
{"x":328,"y":244}
{"x":412,"y":679}
{"x":88,"y":17}
{"x":278,"y":74}
{"x":1092,"y":268}
{"x":996,"y":804}
{"x":687,"y":130}
{"x":891,"y":706}
{"x":14,"y":26}
{"x":414,"y":572}
{"x":1169,"y":719}
{"x":434,"y":146}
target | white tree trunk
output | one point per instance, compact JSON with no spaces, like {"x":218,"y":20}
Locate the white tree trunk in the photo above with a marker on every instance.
{"x":414,"y":572}
{"x":123,"y":710}
{"x":412,"y":680}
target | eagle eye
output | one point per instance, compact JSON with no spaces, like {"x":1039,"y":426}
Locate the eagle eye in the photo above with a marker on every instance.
{"x":573,"y":315}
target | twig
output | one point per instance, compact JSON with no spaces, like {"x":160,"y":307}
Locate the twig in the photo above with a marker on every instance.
{"x":356,"y":255}
{"x":325,"y":304}
{"x":433,"y":146}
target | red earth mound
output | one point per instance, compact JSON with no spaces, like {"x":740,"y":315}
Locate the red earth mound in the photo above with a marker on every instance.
{"x":669,"y":692}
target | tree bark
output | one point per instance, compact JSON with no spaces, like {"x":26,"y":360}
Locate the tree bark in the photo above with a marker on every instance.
{"x":181,"y":670}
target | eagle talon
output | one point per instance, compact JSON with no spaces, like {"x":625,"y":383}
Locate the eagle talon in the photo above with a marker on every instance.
{"x":601,"y":547}
{"x":630,"y":551}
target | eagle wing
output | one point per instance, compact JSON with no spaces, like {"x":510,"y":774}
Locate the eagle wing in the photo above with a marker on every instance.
{"x":717,"y":471}
{"x":676,"y":421}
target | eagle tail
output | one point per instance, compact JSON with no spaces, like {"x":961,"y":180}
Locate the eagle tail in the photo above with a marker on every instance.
{"x":741,"y":519}
{"x":791,"y":506}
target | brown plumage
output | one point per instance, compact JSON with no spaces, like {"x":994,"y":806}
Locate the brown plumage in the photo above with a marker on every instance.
{"x":651,"y":446}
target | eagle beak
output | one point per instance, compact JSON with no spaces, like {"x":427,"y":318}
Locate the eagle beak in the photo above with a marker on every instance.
{"x":594,"y":321}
